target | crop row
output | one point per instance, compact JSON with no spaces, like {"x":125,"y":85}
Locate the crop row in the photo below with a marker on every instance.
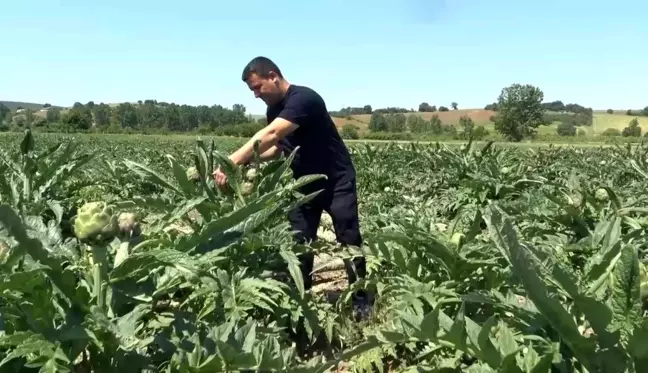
{"x":114,"y":257}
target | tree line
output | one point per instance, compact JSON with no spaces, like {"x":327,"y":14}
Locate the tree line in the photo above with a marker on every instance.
{"x":519,"y":111}
{"x":143,"y":116}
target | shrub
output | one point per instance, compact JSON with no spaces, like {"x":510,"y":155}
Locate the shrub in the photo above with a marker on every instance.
{"x":611,"y":132}
{"x":349,"y":131}
{"x":479,"y":133}
{"x":566,"y":129}
{"x":633,"y":129}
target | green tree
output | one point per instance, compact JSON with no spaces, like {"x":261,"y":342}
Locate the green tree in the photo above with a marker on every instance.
{"x":435,"y":126}
{"x":397,"y":122}
{"x":417,"y":124}
{"x":53,"y":115}
{"x":467,"y":124}
{"x":29,"y":117}
{"x":3,"y":111}
{"x":79,"y":118}
{"x":172,"y":118}
{"x":378,"y":122}
{"x":566,"y":129}
{"x":455,"y":106}
{"x":610,"y":111}
{"x":349,"y":131}
{"x":126,"y":115}
{"x":443,"y":108}
{"x":424,"y":107}
{"x":520,"y":111}
{"x":633,"y":129}
{"x":102,"y":115}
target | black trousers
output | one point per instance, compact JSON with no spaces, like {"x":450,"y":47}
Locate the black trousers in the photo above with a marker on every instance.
{"x":340,"y":201}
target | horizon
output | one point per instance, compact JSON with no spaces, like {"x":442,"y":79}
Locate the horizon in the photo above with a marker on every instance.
{"x":362,"y":53}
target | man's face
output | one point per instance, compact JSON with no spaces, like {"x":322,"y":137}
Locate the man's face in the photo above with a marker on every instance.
{"x":266,"y":89}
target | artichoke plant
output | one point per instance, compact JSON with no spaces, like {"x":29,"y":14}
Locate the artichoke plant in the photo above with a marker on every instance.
{"x":96,"y":221}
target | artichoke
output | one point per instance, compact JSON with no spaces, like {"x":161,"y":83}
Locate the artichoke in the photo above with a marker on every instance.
{"x":576,"y":200}
{"x":192,"y":174}
{"x":128,"y":224}
{"x":326,"y":220}
{"x":458,"y":239}
{"x":251,"y":174}
{"x":96,"y":220}
{"x":601,"y":195}
{"x":247,"y":188}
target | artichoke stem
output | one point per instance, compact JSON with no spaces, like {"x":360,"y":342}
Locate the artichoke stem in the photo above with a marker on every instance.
{"x":98,"y":289}
{"x":100,"y":273}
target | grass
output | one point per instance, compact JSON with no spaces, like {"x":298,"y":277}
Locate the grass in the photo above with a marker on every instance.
{"x":603,"y":121}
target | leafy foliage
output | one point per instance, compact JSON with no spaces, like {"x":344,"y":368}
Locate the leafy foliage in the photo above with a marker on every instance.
{"x":519,"y":111}
{"x":501,"y":259}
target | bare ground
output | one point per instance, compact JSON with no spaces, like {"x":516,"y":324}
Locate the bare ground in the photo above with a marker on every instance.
{"x":331,"y":281}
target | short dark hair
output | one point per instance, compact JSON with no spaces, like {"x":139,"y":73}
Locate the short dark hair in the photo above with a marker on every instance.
{"x":260,"y":66}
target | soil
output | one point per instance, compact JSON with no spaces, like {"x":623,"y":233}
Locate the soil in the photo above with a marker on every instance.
{"x":331,"y":280}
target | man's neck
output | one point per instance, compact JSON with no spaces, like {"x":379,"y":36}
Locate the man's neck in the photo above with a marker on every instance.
{"x":284,"y":85}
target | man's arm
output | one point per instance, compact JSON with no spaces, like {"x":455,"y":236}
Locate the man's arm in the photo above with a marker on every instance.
{"x":268,"y":138}
{"x":271,"y":153}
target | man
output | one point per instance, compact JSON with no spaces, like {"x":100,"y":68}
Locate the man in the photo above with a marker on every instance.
{"x":297,"y":116}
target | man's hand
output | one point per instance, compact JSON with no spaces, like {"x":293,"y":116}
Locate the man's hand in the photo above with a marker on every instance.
{"x":220,"y":178}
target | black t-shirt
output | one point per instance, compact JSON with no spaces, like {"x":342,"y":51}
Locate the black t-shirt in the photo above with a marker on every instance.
{"x":321,"y":149}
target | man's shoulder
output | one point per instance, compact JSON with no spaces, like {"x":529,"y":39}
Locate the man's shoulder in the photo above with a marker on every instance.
{"x":304,"y":94}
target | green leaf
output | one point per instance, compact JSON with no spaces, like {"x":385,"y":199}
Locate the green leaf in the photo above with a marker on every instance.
{"x":626,"y":297}
{"x":526,"y":268}
{"x":151,"y":175}
{"x":180,"y":175}
{"x":294,"y":268}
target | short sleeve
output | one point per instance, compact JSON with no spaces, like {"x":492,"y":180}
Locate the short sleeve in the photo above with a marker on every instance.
{"x":296,"y":109}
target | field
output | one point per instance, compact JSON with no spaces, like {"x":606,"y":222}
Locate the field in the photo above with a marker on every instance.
{"x":482,"y":258}
{"x":602,"y":120}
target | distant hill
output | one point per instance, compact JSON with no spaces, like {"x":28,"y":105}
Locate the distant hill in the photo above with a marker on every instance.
{"x":14,"y":105}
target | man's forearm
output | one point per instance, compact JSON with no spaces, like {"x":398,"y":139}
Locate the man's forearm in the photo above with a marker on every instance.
{"x":268,"y":137}
{"x":266,"y":142}
{"x":270,"y":154}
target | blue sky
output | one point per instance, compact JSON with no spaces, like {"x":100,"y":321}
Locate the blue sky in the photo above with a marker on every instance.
{"x":353,"y":52}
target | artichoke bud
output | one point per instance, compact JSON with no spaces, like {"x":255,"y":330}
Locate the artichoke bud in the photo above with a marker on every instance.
{"x":251,"y":174}
{"x":192,"y":174}
{"x":458,"y":239}
{"x":247,"y":188}
{"x":95,"y":221}
{"x":128,"y":224}
{"x":601,"y":195}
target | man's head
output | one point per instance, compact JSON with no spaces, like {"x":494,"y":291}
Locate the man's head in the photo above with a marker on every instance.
{"x":264,"y":78}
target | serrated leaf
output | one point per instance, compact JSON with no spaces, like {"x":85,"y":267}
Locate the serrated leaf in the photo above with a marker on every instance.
{"x":626,"y":297}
